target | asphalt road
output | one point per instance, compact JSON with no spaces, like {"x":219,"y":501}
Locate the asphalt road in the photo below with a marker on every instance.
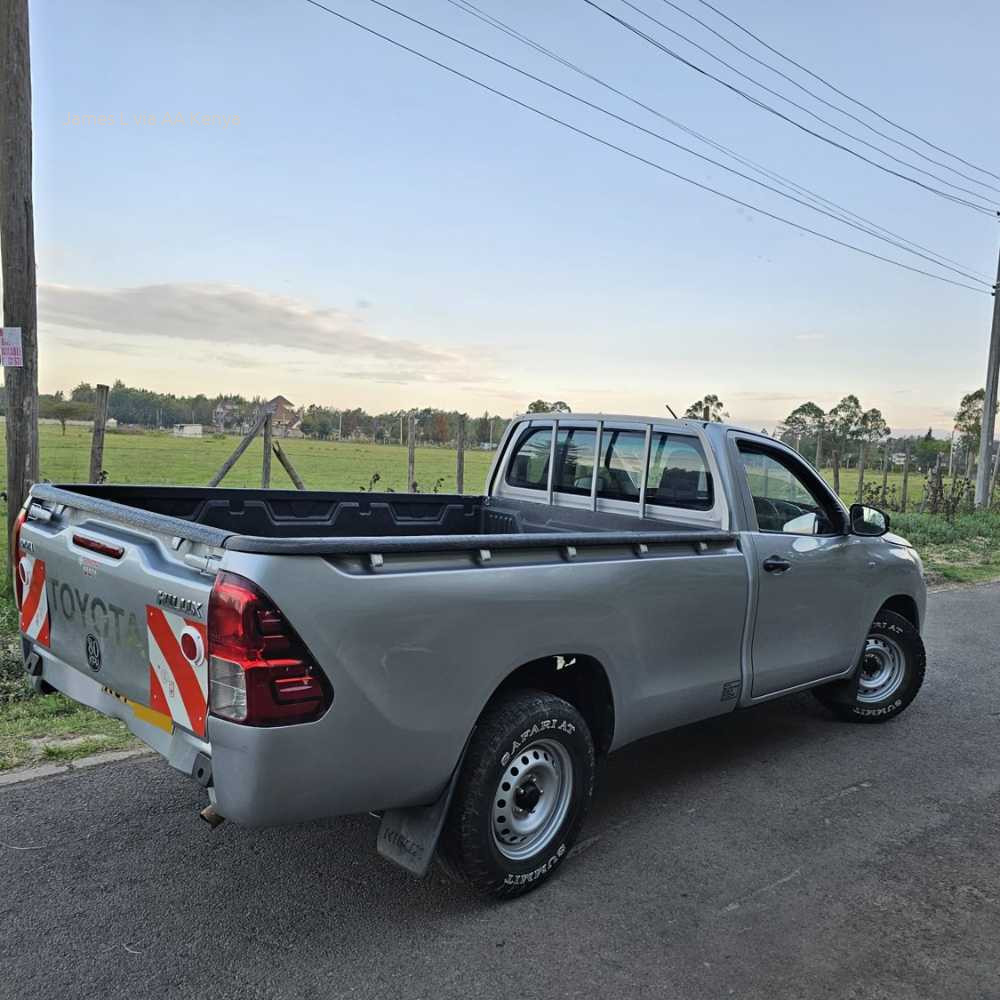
{"x":776,"y":853}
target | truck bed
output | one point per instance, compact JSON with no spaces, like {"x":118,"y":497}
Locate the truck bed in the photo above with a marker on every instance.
{"x":317,"y":522}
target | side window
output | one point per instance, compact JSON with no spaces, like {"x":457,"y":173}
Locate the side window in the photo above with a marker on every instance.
{"x":529,"y":464}
{"x":678,"y":473}
{"x":575,"y":460}
{"x":783,"y":501}
{"x":623,"y":454}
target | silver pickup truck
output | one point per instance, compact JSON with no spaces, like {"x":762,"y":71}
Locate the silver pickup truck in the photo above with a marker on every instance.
{"x":460,"y":664}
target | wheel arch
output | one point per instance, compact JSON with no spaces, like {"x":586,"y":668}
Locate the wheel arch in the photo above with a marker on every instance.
{"x":579,"y":679}
{"x":904,"y":605}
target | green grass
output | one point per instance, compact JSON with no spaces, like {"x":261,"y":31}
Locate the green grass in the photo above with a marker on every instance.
{"x":50,"y":720}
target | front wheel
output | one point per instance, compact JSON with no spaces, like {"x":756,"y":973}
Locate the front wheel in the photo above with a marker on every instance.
{"x":890,"y":674}
{"x":522,"y":795}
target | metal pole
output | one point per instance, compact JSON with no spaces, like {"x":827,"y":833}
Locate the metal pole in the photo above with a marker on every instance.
{"x":989,"y":402}
{"x":906,"y":479}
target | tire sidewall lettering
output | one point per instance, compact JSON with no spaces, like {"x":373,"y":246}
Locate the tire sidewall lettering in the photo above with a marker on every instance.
{"x":545,"y":726}
{"x":537,"y":873}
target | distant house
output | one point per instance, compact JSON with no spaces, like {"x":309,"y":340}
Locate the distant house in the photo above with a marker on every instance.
{"x":899,"y":458}
{"x":187,"y":430}
{"x":285,"y":421}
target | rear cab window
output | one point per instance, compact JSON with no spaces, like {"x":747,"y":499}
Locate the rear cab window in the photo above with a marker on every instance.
{"x":678,"y":474}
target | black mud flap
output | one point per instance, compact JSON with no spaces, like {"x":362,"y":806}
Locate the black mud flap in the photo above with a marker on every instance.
{"x":845,"y":691}
{"x":409,"y":837}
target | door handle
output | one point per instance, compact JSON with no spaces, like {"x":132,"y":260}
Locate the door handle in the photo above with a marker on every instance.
{"x":775,"y":564}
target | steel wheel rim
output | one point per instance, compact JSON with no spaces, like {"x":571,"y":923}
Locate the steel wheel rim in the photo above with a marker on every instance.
{"x":532,"y":799}
{"x":883,"y":667}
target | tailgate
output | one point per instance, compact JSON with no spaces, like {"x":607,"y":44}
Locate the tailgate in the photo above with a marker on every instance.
{"x":122,"y":606}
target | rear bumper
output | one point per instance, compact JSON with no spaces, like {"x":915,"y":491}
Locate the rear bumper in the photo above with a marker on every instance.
{"x":182,"y":750}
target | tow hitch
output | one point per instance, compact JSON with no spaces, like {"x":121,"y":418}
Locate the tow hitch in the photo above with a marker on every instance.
{"x":211,"y":816}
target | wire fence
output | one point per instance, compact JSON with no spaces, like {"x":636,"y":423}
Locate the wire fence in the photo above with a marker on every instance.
{"x":158,"y":458}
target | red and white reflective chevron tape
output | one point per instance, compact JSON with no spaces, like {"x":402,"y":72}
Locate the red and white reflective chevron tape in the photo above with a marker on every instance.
{"x":34,"y":602}
{"x":178,"y":668}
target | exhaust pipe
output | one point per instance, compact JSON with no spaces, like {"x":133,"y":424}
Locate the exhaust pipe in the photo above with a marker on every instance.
{"x":211,"y":816}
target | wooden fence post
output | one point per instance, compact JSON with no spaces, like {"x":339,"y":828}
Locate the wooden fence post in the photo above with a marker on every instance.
{"x":286,"y":464}
{"x":460,"y":455}
{"x":265,"y":472}
{"x":410,"y":456}
{"x":861,"y":470}
{"x":835,"y":455}
{"x":906,"y":479}
{"x":97,"y":440}
{"x":885,"y":472}
{"x":240,"y":448}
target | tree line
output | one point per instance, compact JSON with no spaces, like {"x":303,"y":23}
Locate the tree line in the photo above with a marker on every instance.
{"x":857,"y":434}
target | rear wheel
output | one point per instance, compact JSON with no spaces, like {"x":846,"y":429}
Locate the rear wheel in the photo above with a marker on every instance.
{"x":523,"y":793}
{"x":891,"y":672}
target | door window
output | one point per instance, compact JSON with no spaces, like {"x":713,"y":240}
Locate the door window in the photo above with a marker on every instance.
{"x":783,"y":499}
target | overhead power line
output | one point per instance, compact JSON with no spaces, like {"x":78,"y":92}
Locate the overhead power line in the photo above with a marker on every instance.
{"x":830,"y":104}
{"x":837,"y":90}
{"x":631,"y":154}
{"x":470,"y":8}
{"x":791,"y":121}
{"x":809,"y":111}
{"x":662,"y":138}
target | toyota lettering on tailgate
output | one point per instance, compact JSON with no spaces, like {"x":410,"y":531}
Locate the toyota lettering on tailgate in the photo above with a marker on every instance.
{"x":103,"y":618}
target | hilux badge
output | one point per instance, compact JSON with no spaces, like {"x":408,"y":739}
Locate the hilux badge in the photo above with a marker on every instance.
{"x":93,"y":652}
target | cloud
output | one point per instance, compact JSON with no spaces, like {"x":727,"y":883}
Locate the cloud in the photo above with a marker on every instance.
{"x":810,"y":336}
{"x":243,"y":322}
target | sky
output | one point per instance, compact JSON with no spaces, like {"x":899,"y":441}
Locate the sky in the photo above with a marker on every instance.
{"x":254,"y":197}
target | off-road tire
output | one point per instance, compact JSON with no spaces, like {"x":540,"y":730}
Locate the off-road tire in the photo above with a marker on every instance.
{"x":903,"y":635}
{"x":516,"y":727}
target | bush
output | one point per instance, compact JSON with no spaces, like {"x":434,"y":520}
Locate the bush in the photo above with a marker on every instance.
{"x":933,"y":529}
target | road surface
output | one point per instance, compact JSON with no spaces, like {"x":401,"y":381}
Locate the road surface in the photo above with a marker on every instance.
{"x":773,"y":854}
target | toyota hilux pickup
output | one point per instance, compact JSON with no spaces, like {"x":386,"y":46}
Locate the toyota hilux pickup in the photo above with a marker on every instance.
{"x":459,"y":664}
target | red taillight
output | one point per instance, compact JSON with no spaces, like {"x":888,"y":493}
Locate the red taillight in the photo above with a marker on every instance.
{"x":15,"y":556}
{"x":259,"y":671}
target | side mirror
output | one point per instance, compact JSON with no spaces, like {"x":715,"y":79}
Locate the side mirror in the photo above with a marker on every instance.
{"x":869,"y":521}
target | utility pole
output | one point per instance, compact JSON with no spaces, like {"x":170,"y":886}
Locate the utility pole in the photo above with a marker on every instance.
{"x":989,"y":403}
{"x":17,"y":245}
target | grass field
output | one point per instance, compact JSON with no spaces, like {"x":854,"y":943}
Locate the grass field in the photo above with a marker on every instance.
{"x":158,"y":457}
{"x":44,"y":729}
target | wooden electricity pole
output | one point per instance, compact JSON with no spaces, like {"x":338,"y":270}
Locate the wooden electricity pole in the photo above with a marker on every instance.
{"x":17,"y":244}
{"x":989,"y":403}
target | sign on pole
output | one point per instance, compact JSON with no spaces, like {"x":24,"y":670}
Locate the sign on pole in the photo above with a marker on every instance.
{"x":10,"y":348}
